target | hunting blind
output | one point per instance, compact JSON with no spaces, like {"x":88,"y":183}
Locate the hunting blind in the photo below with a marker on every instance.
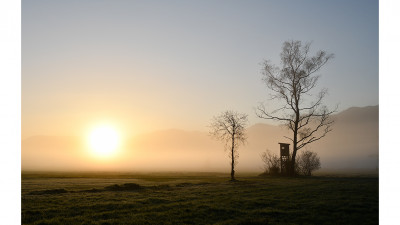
{"x":284,"y":149}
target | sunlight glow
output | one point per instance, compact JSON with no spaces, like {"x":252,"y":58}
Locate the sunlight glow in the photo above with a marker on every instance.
{"x":104,"y":140}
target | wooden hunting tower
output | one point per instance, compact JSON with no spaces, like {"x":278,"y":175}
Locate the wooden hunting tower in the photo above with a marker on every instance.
{"x":284,"y":149}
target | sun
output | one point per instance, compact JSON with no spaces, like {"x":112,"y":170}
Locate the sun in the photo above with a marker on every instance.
{"x":104,"y":140}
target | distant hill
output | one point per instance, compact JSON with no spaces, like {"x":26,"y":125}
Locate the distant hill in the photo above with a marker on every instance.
{"x":353,"y":143}
{"x":358,"y":115}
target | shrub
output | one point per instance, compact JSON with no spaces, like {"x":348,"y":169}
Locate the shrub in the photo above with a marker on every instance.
{"x":272,"y":163}
{"x":307,"y":162}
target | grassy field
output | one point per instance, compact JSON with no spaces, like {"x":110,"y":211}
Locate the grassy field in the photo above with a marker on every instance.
{"x":196,"y":198}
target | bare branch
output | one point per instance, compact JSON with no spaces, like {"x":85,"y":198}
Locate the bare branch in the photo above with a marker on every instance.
{"x":262,"y":113}
{"x":288,"y":138}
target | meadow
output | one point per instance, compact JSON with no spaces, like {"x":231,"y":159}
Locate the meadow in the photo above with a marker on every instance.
{"x":197,"y":198}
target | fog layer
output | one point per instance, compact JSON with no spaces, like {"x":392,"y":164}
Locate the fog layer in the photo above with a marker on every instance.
{"x":353,"y":143}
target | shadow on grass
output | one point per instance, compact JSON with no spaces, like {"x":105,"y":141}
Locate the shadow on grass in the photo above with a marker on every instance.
{"x":127,"y":187}
{"x":48,"y":192}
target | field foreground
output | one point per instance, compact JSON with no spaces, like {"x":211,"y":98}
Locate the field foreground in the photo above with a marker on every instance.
{"x":196,"y":198}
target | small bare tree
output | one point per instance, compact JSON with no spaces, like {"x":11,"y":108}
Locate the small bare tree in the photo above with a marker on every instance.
{"x":230,"y":127}
{"x":272,"y":162}
{"x":307,"y":162}
{"x":309,"y":121}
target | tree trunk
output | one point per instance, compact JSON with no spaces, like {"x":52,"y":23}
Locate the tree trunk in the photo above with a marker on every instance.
{"x":293,"y":158}
{"x":295,"y":131}
{"x":233,"y":160}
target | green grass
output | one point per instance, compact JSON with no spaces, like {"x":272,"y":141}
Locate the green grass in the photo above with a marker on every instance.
{"x":189,"y":198}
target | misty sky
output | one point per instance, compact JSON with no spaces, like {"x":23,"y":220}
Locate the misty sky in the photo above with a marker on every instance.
{"x":150,"y":65}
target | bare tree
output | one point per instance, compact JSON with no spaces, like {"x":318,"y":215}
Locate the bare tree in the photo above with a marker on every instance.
{"x":307,"y":162}
{"x":230,"y":127}
{"x":292,"y":85}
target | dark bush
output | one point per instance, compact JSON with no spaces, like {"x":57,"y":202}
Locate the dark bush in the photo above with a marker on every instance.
{"x":307,"y":162}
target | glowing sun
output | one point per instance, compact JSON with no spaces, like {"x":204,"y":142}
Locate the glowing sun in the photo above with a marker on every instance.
{"x":104,"y":140}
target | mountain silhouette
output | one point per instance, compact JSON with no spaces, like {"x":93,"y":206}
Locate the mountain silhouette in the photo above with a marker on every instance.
{"x":353,"y":143}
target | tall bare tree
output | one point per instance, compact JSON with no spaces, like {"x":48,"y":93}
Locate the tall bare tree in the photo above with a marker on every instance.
{"x":230,"y":128}
{"x":292,"y":85}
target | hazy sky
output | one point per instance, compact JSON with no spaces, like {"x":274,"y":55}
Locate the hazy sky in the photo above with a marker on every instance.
{"x":148,"y":65}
